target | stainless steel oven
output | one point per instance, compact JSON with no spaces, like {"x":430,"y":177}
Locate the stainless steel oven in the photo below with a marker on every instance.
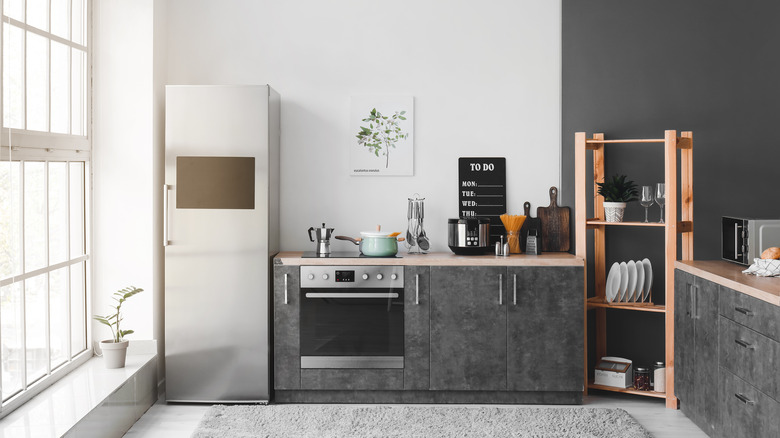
{"x":352,"y":317}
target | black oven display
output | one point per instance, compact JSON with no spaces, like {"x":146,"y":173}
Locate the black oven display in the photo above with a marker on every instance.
{"x":345,"y":276}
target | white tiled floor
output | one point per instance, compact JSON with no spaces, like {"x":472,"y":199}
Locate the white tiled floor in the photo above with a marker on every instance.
{"x":177,"y":420}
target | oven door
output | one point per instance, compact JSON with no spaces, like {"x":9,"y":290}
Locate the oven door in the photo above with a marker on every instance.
{"x":352,"y":328}
{"x":733,"y":240}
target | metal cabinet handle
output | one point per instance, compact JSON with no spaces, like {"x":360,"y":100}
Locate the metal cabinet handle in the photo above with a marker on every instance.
{"x":514,"y":289}
{"x":417,"y":289}
{"x":744,"y":311}
{"x":694,"y":310}
{"x":736,"y":247}
{"x":744,"y":399}
{"x":166,"y":242}
{"x":285,"y":289}
{"x":500,"y":289}
{"x":744,"y":344}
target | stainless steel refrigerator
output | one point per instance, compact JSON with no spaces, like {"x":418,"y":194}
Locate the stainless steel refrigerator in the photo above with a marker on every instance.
{"x":220,"y":231}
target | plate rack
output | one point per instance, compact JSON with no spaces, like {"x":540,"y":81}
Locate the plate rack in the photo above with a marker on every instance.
{"x":596,"y":306}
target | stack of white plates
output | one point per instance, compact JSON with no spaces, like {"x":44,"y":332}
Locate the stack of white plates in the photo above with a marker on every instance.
{"x":630,"y":282}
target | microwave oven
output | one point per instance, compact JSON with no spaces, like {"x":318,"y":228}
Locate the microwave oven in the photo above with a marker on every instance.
{"x":744,"y":239}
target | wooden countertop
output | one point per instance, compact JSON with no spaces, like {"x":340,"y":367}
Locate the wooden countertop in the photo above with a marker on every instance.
{"x":293,"y":258}
{"x":731,"y":276}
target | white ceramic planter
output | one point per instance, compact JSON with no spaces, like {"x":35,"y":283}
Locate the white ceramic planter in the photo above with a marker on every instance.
{"x":114,"y":353}
{"x":613,"y":211}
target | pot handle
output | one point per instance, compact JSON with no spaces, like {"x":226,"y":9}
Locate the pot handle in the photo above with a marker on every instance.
{"x":310,"y":230}
{"x":355,"y":241}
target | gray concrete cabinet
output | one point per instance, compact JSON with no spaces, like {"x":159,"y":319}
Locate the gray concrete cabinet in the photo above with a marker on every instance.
{"x":727,"y":358}
{"x":696,"y":354}
{"x":417,"y":327}
{"x":544,"y":328}
{"x":287,"y":348}
{"x":468,"y":328}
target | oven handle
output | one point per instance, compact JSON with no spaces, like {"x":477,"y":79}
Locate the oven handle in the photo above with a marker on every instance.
{"x":351,"y":295}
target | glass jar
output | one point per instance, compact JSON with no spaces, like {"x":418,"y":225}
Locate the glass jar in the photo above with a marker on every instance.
{"x":659,"y":377}
{"x":642,"y":379}
{"x":513,"y":239}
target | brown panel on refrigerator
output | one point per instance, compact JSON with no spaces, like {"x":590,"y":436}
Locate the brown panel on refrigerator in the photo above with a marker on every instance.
{"x":215,"y":182}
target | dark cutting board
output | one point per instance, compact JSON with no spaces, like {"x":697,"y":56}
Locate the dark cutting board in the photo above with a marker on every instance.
{"x":529,"y":224}
{"x":555,"y":224}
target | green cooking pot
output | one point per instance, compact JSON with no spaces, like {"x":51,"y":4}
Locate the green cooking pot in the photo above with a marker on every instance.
{"x":375,"y":244}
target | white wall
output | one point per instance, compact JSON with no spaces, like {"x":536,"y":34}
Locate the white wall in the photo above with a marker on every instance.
{"x":485,"y":77}
{"x":123,"y":162}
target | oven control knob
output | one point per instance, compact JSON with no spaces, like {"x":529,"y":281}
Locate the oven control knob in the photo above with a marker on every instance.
{"x":325,"y":276}
{"x":365,"y":276}
{"x":311,"y":276}
{"x":394,"y":277}
{"x":379,"y":276}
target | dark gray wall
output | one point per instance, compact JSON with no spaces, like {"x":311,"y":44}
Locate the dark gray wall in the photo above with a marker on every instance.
{"x":632,"y":69}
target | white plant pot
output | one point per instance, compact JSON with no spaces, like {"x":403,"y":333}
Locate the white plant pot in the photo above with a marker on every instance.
{"x":114,"y":353}
{"x":613,"y":211}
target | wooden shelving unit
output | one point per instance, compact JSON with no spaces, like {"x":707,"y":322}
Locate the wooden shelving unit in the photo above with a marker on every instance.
{"x":597,"y":306}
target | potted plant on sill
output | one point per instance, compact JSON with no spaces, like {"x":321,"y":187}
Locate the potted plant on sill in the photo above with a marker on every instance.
{"x":617,"y":192}
{"x":115,"y":349}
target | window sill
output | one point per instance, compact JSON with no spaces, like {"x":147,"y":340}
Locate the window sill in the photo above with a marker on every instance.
{"x":91,"y":399}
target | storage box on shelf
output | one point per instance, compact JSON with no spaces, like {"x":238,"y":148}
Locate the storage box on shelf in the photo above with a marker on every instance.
{"x":671,"y":143}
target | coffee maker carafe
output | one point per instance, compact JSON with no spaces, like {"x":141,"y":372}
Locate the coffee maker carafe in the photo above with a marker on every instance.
{"x":323,"y":239}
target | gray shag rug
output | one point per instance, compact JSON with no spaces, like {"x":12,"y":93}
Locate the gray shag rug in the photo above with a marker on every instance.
{"x":343,"y":421}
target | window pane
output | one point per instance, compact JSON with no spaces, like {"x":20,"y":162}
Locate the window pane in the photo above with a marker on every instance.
{"x":78,"y":309}
{"x":35,"y":314}
{"x":60,"y":18}
{"x":13,"y":77}
{"x":10,"y":219}
{"x":58,"y":316}
{"x":58,"y":212}
{"x":78,"y":93}
{"x":77,"y":189}
{"x":37,"y":82}
{"x":11,"y":338}
{"x":79,"y":14}
{"x":14,"y":9}
{"x":60,"y":88}
{"x":34,"y":216}
{"x":37,"y":14}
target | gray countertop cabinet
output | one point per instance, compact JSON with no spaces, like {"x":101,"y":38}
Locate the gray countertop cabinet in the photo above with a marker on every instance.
{"x":468,"y":328}
{"x":544,"y":328}
{"x":417,"y":329}
{"x":287,"y":349}
{"x":696,"y":349}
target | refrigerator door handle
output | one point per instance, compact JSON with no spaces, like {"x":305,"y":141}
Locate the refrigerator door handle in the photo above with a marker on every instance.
{"x":166,"y":242}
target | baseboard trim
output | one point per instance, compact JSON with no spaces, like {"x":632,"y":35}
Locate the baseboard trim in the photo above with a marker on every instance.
{"x":465,"y":397}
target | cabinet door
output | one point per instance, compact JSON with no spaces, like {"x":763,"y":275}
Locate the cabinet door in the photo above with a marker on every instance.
{"x":544,"y":328}
{"x":683,"y":340}
{"x":417,"y":328}
{"x":705,"y":351}
{"x":468,"y":328}
{"x":287,"y":348}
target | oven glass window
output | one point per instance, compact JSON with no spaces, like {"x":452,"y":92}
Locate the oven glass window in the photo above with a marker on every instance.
{"x":352,"y":326}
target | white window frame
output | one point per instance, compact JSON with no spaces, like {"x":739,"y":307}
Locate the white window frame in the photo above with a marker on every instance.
{"x":23,"y":145}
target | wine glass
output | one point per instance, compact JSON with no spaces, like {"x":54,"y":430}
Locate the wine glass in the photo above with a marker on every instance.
{"x":647,"y":199}
{"x":660,"y":198}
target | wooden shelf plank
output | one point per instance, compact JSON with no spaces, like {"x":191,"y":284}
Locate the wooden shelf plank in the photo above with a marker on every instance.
{"x":682,"y":226}
{"x":600,"y":303}
{"x":636,"y":140}
{"x":627,"y":390}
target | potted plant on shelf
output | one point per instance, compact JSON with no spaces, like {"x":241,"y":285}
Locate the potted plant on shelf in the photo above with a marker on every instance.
{"x":617,"y":192}
{"x":115,"y":349}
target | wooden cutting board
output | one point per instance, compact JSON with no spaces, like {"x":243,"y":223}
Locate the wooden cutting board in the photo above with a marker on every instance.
{"x":529,"y":224}
{"x":555,"y":224}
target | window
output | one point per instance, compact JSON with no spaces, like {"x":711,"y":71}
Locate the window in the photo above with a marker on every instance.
{"x":44,"y":197}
